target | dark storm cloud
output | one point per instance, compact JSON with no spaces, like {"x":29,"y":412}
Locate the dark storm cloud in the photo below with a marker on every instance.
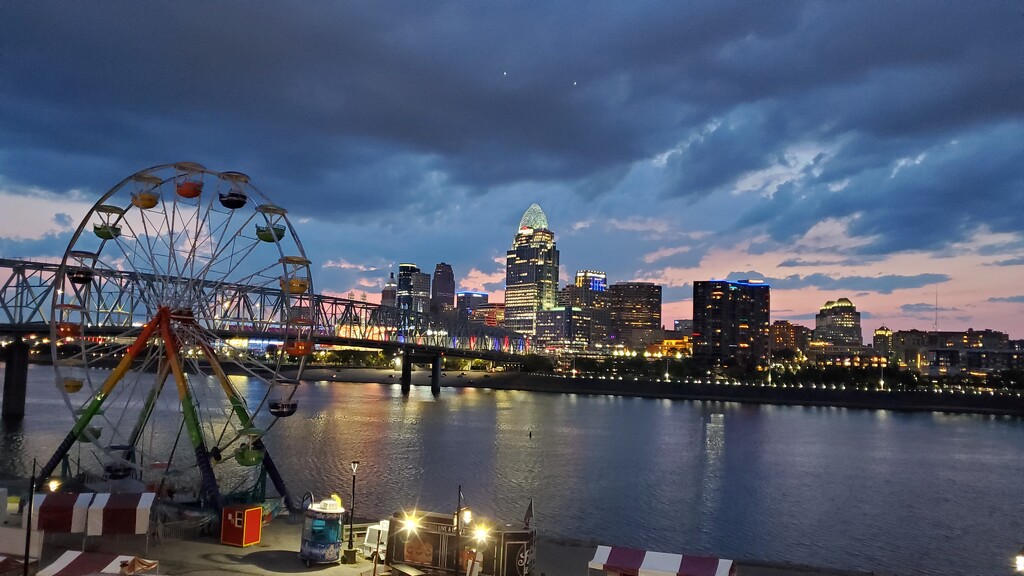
{"x":50,"y":245}
{"x":800,"y":262}
{"x":1014,"y":299}
{"x":355,"y":108}
{"x":885,"y":284}
{"x":1008,"y":262}
{"x":924,"y":308}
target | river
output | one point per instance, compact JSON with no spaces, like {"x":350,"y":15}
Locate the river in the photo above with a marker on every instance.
{"x":921,"y":493}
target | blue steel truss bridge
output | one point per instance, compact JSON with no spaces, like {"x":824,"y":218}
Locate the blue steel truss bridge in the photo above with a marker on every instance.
{"x":256,"y":313}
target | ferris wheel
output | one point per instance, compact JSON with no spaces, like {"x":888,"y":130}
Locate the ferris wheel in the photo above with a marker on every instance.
{"x":181,"y":299}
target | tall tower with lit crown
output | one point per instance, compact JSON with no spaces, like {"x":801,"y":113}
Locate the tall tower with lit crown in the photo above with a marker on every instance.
{"x":531,"y":272}
{"x":838,"y":323}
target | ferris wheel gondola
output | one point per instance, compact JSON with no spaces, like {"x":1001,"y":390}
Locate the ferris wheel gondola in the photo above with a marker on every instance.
{"x":152,"y":318}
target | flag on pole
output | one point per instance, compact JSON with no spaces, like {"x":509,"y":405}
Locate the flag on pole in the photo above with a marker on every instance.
{"x":529,"y":514}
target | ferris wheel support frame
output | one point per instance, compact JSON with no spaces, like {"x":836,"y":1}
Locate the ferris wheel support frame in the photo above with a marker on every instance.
{"x":97,"y":402}
{"x":210,"y":491}
{"x":238,"y":406}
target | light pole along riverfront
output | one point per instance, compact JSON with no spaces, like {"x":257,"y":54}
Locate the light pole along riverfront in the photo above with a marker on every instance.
{"x":352,"y":511}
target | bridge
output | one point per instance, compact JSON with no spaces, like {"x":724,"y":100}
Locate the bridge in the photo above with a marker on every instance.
{"x":117,"y":301}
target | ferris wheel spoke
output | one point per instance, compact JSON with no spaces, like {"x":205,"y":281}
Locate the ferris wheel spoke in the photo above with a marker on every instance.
{"x":163,"y":372}
{"x":167,"y":274}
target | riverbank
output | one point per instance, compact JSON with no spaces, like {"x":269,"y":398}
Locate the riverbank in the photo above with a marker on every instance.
{"x":916,"y":401}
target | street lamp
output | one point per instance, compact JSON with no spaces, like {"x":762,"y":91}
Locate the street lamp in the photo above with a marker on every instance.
{"x":352,"y":510}
{"x":1018,"y":562}
{"x":463,"y":516}
{"x":28,"y":528}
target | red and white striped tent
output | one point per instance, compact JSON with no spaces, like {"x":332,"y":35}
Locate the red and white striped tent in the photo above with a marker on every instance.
{"x":120,"y":514}
{"x":61,"y":512}
{"x":11,"y":565}
{"x":632,"y":562}
{"x":73,"y":563}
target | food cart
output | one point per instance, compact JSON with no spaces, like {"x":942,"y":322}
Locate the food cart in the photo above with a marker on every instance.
{"x":322,"y":532}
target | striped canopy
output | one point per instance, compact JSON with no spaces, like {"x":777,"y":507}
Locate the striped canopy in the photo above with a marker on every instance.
{"x":94,"y":514}
{"x":73,"y":563}
{"x":632,"y":562}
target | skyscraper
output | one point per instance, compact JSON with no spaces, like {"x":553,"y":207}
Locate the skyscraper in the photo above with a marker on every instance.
{"x":442,"y":289}
{"x":563,"y":328}
{"x":389,"y":295}
{"x":635,"y":313}
{"x":730,"y":322}
{"x":635,"y":305}
{"x":531,"y":272}
{"x":590,"y":295}
{"x":467,"y":301}
{"x":838,"y":323}
{"x":592,"y":280}
{"x":413,"y":288}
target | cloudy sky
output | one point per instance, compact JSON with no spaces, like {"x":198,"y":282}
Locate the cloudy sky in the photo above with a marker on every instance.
{"x":872,"y":150}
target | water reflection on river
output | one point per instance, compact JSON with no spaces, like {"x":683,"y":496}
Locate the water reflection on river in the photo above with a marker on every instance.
{"x":919,"y":493}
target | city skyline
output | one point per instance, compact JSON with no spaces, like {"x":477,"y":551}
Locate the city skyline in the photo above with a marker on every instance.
{"x":867,"y":151}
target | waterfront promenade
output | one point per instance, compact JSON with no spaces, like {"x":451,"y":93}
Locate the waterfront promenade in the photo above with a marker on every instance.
{"x":277,"y":553}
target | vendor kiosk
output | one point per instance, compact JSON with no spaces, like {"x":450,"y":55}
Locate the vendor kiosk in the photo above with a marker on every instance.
{"x":322,"y":532}
{"x":431,"y":542}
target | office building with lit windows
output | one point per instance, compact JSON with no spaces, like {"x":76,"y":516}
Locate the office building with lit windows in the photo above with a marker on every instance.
{"x":489,"y":314}
{"x":531,"y":272}
{"x":731,"y":322}
{"x":562,"y":329}
{"x":838,"y":323}
{"x":635,"y":314}
{"x":413,"y":292}
{"x":788,"y":336}
{"x":592,"y":280}
{"x":589,"y":294}
{"x":442,"y":289}
{"x":466,"y":301}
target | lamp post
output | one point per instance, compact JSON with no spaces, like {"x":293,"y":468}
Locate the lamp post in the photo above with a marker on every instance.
{"x":458,"y":530}
{"x":463,"y":516}
{"x":352,"y":511}
{"x":28,"y":528}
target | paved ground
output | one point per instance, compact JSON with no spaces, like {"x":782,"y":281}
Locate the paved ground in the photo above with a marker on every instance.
{"x":277,"y":553}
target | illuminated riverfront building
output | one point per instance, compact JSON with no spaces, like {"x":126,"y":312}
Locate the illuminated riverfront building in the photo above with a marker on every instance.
{"x":488,"y":314}
{"x":788,"y":336}
{"x":413,"y":288}
{"x":882,"y":341}
{"x":442,"y":289}
{"x":683,"y":326}
{"x":467,"y":301}
{"x":730,"y":322}
{"x":531,"y":272}
{"x":838,"y":323}
{"x":590,"y":295}
{"x":592,"y":280}
{"x":563,"y":328}
{"x":635,"y":313}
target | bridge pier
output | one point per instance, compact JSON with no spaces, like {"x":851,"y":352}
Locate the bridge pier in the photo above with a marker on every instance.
{"x":15,"y":380}
{"x":406,"y":372}
{"x":435,"y":375}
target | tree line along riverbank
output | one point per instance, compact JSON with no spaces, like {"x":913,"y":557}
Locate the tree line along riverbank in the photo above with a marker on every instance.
{"x":1007,"y":403}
